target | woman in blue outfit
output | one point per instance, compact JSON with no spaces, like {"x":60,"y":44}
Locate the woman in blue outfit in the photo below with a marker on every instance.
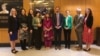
{"x":67,"y":29}
{"x":13,"y":29}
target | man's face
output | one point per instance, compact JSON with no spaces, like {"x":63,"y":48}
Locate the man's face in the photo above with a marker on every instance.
{"x":78,"y":12}
{"x":57,"y":10}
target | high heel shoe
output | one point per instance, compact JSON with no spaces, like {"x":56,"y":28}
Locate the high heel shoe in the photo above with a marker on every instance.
{"x":87,"y":49}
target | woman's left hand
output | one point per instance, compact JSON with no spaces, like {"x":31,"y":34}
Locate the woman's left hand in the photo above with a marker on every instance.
{"x":31,"y":31}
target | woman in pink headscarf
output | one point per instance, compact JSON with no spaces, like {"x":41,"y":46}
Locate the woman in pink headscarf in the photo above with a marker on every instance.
{"x":47,"y":30}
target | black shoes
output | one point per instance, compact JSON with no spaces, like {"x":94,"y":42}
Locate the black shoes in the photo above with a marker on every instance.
{"x":66,"y":46}
{"x":24,"y":49}
{"x":14,"y":51}
{"x":87,"y":49}
{"x":57,"y":47}
{"x":38,"y":48}
{"x":30,"y":47}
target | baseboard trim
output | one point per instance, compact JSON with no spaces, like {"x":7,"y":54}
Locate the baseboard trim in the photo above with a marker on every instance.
{"x":7,"y":44}
{"x":18,"y":44}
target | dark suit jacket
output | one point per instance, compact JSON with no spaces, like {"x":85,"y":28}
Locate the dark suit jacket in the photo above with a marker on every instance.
{"x":78,"y":22}
{"x":61,"y":17}
{"x":13,"y":24}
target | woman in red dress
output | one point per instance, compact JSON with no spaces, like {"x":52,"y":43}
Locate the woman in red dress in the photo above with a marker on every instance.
{"x":87,"y":33}
{"x":47,"y":30}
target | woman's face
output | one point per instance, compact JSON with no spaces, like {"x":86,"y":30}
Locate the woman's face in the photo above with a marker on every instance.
{"x":87,"y":11}
{"x":47,"y":15}
{"x":67,"y":12}
{"x":23,"y":12}
{"x":31,"y":11}
{"x":38,"y":14}
{"x":14,"y":12}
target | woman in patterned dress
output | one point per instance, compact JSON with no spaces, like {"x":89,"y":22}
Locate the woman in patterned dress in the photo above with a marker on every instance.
{"x":87,"y":33}
{"x":48,"y":31}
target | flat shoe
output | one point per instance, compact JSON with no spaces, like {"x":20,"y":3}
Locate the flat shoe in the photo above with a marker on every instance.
{"x":87,"y":49}
{"x":14,"y":51}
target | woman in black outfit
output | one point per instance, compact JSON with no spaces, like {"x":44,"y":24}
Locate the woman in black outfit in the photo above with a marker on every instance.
{"x":30,"y":39}
{"x":23,"y":20}
{"x":13,"y":29}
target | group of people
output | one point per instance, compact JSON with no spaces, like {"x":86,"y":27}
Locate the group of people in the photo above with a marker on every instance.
{"x":33,"y":27}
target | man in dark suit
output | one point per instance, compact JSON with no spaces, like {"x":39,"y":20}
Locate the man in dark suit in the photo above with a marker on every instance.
{"x":57,"y":23}
{"x":78,"y":23}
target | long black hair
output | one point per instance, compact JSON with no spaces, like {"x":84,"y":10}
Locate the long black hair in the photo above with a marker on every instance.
{"x":21,"y":11}
{"x":29,"y":11}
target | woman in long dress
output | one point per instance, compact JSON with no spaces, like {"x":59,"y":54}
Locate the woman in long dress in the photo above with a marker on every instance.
{"x":31,"y":37}
{"x":87,"y":33}
{"x":48,"y":31}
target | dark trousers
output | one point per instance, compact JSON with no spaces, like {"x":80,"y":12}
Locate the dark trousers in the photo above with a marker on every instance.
{"x":79,"y":38}
{"x":37,"y":38}
{"x":67,"y":36}
{"x":23,"y":44}
{"x":57,"y":37}
{"x":30,"y":40}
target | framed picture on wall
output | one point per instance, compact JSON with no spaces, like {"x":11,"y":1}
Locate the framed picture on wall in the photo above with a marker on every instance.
{"x":5,"y":6}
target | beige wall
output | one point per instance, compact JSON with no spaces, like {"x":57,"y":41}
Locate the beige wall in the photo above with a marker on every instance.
{"x":64,"y":5}
{"x":73,"y":4}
